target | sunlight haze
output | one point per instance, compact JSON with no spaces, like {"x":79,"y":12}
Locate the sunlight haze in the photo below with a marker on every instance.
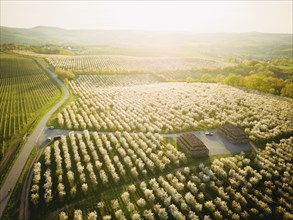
{"x":197,"y":16}
{"x":146,"y":109}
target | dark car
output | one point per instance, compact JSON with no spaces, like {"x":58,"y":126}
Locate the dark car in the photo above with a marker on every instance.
{"x":57,"y":137}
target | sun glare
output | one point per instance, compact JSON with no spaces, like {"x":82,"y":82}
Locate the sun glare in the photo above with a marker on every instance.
{"x":146,"y":109}
{"x":154,"y":16}
{"x":196,"y":16}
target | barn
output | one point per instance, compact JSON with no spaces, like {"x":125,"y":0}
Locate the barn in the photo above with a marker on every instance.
{"x":233,"y":134}
{"x":192,"y":145}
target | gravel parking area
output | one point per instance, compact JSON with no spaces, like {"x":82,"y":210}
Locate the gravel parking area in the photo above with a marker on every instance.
{"x":220,"y":145}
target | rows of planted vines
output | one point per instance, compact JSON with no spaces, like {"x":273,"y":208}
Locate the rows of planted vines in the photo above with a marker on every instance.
{"x":244,"y":186}
{"x":25,"y":91}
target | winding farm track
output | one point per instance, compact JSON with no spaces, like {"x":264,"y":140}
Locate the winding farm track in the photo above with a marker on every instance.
{"x":19,"y":164}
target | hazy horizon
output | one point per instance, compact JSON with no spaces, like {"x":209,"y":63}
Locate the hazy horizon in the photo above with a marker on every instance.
{"x":143,"y":30}
{"x":174,"y":16}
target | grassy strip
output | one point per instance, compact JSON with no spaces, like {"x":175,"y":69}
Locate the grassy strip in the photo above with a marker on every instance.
{"x":53,"y":121}
{"x":16,"y":144}
{"x":14,"y":148}
{"x":46,"y":63}
{"x":49,"y":75}
{"x":12,"y":209}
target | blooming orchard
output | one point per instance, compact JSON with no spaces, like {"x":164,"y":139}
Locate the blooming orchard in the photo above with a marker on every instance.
{"x":84,"y":162}
{"x":172,"y":107}
{"x":132,"y":173}
{"x":124,"y":64}
{"x":239,"y":187}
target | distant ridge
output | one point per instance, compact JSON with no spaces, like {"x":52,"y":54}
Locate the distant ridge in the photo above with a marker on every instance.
{"x":230,"y":43}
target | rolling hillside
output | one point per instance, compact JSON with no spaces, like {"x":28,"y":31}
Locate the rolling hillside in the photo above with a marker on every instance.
{"x":207,"y":45}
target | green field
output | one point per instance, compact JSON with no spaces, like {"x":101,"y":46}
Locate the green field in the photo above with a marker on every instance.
{"x":26,"y":91}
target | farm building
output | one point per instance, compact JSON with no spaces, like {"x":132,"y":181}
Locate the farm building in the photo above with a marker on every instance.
{"x":192,"y":146}
{"x":234,"y":134}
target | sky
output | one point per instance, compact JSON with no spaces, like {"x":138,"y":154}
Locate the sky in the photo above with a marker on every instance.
{"x":195,"y":16}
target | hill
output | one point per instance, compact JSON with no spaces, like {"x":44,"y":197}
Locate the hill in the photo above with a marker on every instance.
{"x":135,"y":42}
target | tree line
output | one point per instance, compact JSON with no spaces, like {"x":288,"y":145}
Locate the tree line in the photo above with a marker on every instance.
{"x":273,"y":76}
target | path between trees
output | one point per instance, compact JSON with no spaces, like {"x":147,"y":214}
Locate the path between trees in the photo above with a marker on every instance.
{"x":14,"y":173}
{"x":216,"y":143}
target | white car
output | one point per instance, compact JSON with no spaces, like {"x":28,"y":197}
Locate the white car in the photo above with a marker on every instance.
{"x":208,"y":133}
{"x":49,"y":139}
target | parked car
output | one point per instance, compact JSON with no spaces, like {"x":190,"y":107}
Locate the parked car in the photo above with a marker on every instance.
{"x":57,"y":137}
{"x":49,"y":139}
{"x":51,"y":127}
{"x":208,"y":133}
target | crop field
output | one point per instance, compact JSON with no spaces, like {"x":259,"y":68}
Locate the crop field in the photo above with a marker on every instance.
{"x":125,"y":64}
{"x":25,"y":91}
{"x":145,"y":105}
{"x":83,"y":168}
